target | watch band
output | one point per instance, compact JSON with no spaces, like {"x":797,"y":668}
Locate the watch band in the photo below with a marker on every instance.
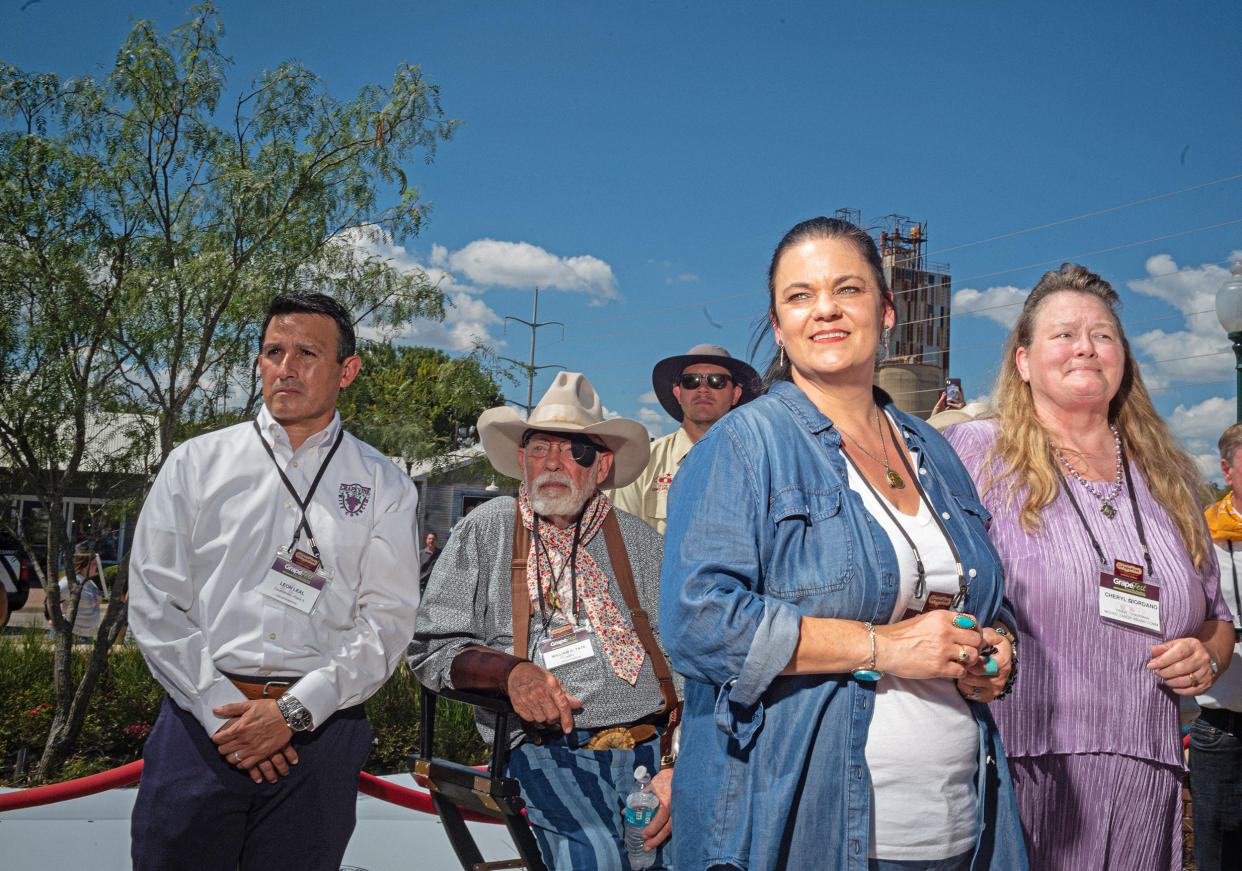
{"x":296,"y":716}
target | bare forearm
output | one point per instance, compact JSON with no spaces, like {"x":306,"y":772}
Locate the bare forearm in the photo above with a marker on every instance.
{"x":827,"y":645}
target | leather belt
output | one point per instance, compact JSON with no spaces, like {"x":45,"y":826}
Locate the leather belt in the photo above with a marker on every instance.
{"x":1223,"y":719}
{"x":605,"y":738}
{"x":256,"y":688}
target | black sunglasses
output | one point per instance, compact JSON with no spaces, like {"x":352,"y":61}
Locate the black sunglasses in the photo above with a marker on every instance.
{"x":715,"y":380}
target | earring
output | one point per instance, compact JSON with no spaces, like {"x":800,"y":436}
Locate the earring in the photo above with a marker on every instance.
{"x":782,"y":363}
{"x":884,"y":339}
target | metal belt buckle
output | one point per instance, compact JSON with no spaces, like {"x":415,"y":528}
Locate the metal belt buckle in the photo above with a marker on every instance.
{"x":280,"y":684}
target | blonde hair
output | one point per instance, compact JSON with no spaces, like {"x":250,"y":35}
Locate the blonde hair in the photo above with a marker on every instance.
{"x":1023,"y":444}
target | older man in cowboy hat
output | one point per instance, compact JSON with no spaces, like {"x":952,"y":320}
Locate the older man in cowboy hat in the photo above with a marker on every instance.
{"x":697,"y":389}
{"x":551,"y":599}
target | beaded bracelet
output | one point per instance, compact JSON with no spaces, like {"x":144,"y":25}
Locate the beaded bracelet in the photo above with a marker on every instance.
{"x":1004,"y":632}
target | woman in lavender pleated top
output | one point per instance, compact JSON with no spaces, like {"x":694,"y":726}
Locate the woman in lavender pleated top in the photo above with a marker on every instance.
{"x":1091,"y":726}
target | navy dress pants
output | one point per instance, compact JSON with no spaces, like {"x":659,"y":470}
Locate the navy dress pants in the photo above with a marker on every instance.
{"x":196,"y":811}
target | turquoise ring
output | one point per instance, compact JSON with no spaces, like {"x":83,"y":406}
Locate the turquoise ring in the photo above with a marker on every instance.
{"x":990,"y":666}
{"x":965,"y":621}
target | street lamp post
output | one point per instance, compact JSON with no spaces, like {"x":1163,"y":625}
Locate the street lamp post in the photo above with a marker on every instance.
{"x":1229,"y":311}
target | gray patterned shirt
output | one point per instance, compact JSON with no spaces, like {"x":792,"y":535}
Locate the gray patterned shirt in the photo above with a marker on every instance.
{"x":467,"y":602}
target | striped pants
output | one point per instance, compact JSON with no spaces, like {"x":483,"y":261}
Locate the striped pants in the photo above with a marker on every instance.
{"x":1097,"y":811}
{"x":575,"y":799}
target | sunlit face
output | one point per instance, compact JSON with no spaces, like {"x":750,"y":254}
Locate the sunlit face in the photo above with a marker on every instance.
{"x":1233,"y":471}
{"x":829,"y":310}
{"x":1075,"y":361}
{"x":556,"y":484}
{"x":301,"y":377}
{"x":706,"y":405}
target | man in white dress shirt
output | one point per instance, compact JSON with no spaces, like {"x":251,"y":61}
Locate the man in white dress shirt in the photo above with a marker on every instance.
{"x":273,"y":589}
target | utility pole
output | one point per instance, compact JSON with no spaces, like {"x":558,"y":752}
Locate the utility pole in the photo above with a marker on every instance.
{"x":534,"y":324}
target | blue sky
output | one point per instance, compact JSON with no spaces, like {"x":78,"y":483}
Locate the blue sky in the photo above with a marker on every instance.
{"x":639,"y":161}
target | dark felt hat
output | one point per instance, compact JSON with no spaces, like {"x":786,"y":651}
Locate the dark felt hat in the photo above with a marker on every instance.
{"x":666,"y":372}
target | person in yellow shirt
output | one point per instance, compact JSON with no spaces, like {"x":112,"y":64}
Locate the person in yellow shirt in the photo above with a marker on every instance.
{"x":697,"y":389}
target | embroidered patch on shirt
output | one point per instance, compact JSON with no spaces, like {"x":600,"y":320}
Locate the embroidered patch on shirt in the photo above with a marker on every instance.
{"x":354,"y":498}
{"x":663,"y":482}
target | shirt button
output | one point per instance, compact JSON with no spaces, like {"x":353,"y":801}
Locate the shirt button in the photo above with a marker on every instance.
{"x":973,"y":573}
{"x":945,"y":515}
{"x":272,"y":635}
{"x":922,"y":471}
{"x":295,"y":464}
{"x":288,"y":504}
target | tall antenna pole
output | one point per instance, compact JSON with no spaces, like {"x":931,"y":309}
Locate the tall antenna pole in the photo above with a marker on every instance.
{"x":534,"y":324}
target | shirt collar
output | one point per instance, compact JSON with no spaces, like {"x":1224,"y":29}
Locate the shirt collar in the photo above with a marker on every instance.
{"x":276,"y":435}
{"x":816,"y":421}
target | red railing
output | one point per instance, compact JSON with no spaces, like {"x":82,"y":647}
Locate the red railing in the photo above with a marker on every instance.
{"x":368,"y":784}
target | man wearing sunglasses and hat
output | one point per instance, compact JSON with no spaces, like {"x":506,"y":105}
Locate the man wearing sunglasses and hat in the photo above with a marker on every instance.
{"x":551,"y":599}
{"x":697,"y":389}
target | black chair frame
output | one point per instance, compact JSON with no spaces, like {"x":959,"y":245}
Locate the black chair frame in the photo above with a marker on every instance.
{"x":454,"y":786}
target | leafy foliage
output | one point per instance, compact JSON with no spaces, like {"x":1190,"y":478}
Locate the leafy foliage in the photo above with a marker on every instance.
{"x":410,"y":401}
{"x":144,"y":227}
{"x":128,"y":699}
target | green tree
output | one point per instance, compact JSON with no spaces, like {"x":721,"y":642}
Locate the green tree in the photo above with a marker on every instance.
{"x":144,"y":227}
{"x":410,"y":401}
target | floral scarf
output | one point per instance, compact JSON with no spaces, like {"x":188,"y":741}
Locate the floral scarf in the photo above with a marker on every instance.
{"x":547,"y":564}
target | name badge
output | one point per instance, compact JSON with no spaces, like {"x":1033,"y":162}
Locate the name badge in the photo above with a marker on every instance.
{"x":566,"y":644}
{"x":935,"y":602}
{"x":1129,"y":601}
{"x":296,"y":580}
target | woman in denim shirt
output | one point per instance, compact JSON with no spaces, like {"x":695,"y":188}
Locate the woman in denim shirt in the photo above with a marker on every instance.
{"x":798,"y":565}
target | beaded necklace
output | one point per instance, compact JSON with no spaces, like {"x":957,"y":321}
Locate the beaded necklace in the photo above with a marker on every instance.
{"x":1106,"y":499}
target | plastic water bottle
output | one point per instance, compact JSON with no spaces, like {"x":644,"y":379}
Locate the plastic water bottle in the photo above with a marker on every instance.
{"x":640,"y":807}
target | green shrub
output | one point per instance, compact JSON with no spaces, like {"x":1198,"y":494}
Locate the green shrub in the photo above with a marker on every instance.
{"x":127,"y":701}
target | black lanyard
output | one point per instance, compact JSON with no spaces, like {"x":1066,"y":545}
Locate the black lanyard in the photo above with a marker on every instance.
{"x":920,"y":583}
{"x":1138,"y":518}
{"x":302,"y":503}
{"x":1236,"y":600}
{"x":556,"y":578}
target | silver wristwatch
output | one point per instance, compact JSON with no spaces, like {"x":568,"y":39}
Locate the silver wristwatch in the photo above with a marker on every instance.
{"x":296,"y":716}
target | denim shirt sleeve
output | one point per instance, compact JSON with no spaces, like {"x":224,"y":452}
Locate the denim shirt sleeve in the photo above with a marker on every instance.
{"x":718,"y":629}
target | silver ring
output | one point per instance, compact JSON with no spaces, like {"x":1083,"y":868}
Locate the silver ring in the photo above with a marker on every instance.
{"x":976,"y":694}
{"x":236,"y":758}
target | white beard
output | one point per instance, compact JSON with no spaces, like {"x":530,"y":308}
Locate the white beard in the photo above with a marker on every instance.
{"x":558,"y":503}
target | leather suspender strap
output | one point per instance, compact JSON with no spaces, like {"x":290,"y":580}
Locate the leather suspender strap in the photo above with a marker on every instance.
{"x":518,"y":589}
{"x":625,"y":580}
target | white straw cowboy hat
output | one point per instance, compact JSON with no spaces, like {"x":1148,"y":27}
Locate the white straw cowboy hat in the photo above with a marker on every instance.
{"x":569,"y":406}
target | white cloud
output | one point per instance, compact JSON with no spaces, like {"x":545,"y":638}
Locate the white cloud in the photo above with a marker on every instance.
{"x":1200,"y":350}
{"x":1199,"y":427}
{"x":520,"y":264}
{"x":655,"y":421}
{"x":1001,"y":304}
{"x":649,"y":398}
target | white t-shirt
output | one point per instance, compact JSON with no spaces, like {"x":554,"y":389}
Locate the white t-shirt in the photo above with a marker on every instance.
{"x":923,"y":744}
{"x":1227,"y":692}
{"x":90,"y":613}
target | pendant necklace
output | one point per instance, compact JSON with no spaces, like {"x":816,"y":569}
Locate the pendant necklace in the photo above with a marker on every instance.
{"x":894,"y":480}
{"x":1106,"y":499}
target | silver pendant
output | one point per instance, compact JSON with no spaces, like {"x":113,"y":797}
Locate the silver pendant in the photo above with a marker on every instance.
{"x":1108,"y":511}
{"x":895,"y":481}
